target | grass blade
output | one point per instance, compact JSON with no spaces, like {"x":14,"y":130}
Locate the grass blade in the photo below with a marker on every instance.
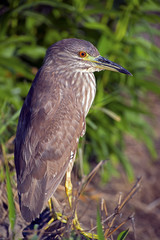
{"x":99,"y":226}
{"x":11,"y":206}
{"x":123,"y":235}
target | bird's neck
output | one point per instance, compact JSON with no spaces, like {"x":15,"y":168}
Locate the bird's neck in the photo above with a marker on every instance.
{"x":84,"y":87}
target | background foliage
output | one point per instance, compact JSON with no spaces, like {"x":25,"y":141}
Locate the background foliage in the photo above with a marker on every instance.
{"x":123,"y":31}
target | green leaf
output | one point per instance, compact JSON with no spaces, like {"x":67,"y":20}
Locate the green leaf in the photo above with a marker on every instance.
{"x":34,"y":52}
{"x":8,"y":122}
{"x":99,"y":226}
{"x":16,"y":66}
{"x":51,"y":3}
{"x":123,"y":235}
{"x":14,"y":40}
{"x":11,"y":206}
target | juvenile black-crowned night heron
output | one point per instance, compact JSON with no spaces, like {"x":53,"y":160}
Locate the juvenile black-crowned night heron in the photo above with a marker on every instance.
{"x":52,"y":120}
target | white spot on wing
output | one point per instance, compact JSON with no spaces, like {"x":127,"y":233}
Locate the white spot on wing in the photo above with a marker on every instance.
{"x":54,"y":175}
{"x":71,"y":156}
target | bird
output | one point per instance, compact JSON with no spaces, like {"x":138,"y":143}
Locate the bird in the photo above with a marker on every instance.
{"x":52,"y":120}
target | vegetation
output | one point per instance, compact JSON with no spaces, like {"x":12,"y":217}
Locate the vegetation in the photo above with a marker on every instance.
{"x":124,"y":31}
{"x":121,"y":30}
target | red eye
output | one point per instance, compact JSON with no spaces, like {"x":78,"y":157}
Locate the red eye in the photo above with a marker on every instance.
{"x":82,"y":54}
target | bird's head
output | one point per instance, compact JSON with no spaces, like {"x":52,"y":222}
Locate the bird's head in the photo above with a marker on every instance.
{"x":79,"y":55}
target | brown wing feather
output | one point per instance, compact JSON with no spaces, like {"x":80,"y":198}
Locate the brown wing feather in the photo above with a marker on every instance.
{"x":49,"y":125}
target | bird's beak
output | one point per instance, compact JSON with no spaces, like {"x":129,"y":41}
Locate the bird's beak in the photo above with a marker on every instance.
{"x":105,"y":64}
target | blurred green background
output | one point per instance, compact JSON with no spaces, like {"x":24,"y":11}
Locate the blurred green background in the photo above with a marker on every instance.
{"x":123,"y":31}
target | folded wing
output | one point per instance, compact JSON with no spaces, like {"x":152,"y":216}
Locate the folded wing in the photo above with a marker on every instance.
{"x":49,"y":125}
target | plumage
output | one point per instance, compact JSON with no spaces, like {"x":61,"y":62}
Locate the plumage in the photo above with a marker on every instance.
{"x":52,"y":120}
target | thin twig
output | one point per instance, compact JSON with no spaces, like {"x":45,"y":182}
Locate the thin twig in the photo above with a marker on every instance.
{"x":119,"y":207}
{"x":88,"y":179}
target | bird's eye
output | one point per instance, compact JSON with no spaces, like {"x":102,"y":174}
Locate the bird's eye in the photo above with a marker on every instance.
{"x":82,"y":54}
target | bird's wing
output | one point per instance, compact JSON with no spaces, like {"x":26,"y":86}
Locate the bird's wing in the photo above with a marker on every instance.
{"x":50,"y":125}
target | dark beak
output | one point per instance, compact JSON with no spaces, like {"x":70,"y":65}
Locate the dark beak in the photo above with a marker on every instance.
{"x":106,"y":64}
